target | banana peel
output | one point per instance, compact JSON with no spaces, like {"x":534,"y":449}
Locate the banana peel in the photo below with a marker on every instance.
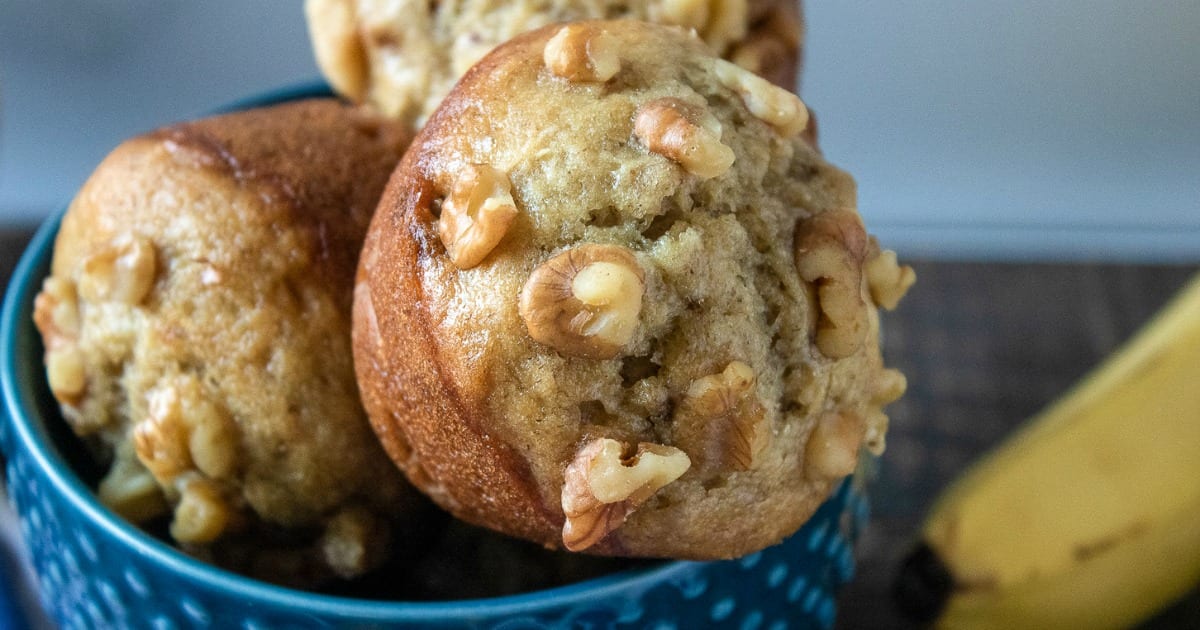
{"x":1089,"y":516}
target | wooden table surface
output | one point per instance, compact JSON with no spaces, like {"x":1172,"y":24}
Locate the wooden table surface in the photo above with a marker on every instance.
{"x":984,"y":346}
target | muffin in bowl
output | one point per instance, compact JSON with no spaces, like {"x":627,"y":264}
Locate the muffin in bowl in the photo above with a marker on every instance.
{"x":614,"y":301}
{"x":196,"y":331}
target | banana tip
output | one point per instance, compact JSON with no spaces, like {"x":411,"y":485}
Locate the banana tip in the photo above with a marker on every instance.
{"x":923,"y":585}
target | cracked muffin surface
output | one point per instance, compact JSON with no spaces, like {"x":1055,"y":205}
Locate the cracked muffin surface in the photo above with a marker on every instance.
{"x":197,"y":333}
{"x":664,"y":341}
{"x":402,"y":57}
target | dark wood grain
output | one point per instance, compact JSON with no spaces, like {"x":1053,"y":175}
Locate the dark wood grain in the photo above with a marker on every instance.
{"x":984,"y":346}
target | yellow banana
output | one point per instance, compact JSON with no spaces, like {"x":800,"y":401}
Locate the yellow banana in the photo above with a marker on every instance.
{"x":1089,"y":517}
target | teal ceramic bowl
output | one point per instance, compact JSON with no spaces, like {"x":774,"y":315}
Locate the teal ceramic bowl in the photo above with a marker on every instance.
{"x":95,"y":570}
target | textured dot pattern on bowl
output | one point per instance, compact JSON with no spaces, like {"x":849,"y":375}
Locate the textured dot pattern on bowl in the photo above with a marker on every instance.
{"x":95,"y":570}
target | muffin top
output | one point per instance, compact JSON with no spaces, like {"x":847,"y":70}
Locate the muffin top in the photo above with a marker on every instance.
{"x":403,"y":57}
{"x":613,"y":301}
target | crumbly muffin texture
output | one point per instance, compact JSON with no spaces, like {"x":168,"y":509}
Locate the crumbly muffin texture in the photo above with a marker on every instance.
{"x":196,"y":325}
{"x":613,"y":301}
{"x":404,"y":56}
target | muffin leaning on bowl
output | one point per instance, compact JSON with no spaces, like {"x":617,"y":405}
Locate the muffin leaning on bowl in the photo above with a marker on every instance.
{"x":613,"y":301}
{"x":196,"y":326}
{"x":403,"y":57}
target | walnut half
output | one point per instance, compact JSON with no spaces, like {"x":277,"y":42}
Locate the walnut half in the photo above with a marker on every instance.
{"x":684,"y":133}
{"x":476,"y":215}
{"x":767,"y":101}
{"x":585,"y":302}
{"x":603,"y":486}
{"x":720,"y":423}
{"x":829,"y":252}
{"x":582,"y":53}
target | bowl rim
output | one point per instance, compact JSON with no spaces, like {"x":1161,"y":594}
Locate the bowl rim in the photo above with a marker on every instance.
{"x":26,"y":431}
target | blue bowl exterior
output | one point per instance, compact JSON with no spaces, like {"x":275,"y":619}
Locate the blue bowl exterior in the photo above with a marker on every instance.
{"x":96,"y":570}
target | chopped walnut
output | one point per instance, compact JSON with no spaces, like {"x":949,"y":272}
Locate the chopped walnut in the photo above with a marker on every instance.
{"x":202,"y":513}
{"x":887,"y":280}
{"x":354,"y":541}
{"x":832,"y":449}
{"x":721,"y":423}
{"x":338,"y":45}
{"x":889,"y":386}
{"x":692,"y":14}
{"x":184,"y":430}
{"x":161,"y":438}
{"x":56,"y":310}
{"x":719,"y":23}
{"x":829,"y":252}
{"x":767,"y":101}
{"x":727,"y":22}
{"x":582,"y":53}
{"x":684,"y":133}
{"x":585,"y":301}
{"x":875,"y":436}
{"x":56,"y":314}
{"x":130,"y":490}
{"x":602,"y":486}
{"x":364,"y":305}
{"x":121,"y":271}
{"x":476,"y":215}
{"x":65,"y":373}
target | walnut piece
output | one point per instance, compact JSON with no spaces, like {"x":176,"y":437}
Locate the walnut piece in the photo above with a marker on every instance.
{"x":691,"y":14}
{"x":832,"y":449}
{"x":721,"y":424}
{"x":183,"y":431}
{"x":202,"y":514}
{"x":684,"y":133}
{"x":476,"y":215}
{"x":582,"y":53}
{"x":718,"y":23}
{"x":354,"y":541}
{"x":337,"y":45}
{"x":129,"y":489}
{"x":121,"y":271}
{"x":585,"y":302}
{"x":829,"y":251}
{"x":65,"y":373}
{"x":767,"y":101}
{"x":161,"y":438}
{"x":875,"y":433}
{"x":887,"y":280}
{"x":602,"y":486}
{"x":889,"y":387}
{"x":56,"y":314}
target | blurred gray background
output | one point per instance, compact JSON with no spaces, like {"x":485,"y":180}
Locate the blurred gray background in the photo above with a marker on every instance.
{"x":1016,"y":130}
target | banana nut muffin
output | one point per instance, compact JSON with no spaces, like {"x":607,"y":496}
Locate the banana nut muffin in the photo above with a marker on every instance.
{"x":404,"y":56}
{"x":612,"y":301}
{"x":197,"y":333}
